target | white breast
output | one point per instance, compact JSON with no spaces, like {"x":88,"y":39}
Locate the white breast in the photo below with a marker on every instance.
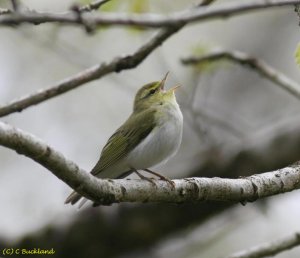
{"x":161,"y":144}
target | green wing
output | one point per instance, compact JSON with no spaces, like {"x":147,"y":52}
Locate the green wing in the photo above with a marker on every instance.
{"x":129,"y":135}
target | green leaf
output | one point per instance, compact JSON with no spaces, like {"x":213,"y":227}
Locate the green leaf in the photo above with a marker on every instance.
{"x":138,"y":6}
{"x":111,"y":6}
{"x":297,"y":55}
{"x":202,"y":49}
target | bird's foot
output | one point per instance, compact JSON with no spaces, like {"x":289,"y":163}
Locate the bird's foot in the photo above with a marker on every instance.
{"x":145,"y":178}
{"x":161,"y":177}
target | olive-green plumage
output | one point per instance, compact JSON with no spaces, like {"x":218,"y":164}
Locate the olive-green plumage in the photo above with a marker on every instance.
{"x":150,"y":135}
{"x":127,"y":137}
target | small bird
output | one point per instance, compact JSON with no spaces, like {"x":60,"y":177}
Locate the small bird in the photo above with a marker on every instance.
{"x":150,"y":136}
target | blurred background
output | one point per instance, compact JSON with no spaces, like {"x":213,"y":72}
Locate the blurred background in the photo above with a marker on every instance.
{"x":224,"y":105}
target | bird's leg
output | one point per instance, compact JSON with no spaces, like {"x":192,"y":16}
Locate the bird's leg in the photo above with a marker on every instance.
{"x":160,"y":177}
{"x":143,"y":177}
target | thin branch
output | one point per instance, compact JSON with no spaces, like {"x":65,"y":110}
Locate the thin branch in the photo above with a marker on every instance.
{"x":271,"y":248}
{"x":93,"y":73}
{"x":146,"y":20}
{"x":114,"y":191}
{"x":78,"y":11}
{"x":90,"y":74}
{"x":93,"y":6}
{"x":15,"y":5}
{"x":297,"y":10}
{"x":257,"y":65}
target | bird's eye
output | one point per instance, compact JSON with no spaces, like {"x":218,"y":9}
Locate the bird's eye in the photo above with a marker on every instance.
{"x":151,"y":92}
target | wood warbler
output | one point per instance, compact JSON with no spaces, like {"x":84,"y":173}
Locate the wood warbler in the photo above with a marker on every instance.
{"x":150,"y":136}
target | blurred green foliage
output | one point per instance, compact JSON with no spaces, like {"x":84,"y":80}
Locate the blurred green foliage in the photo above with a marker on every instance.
{"x":297,"y":55}
{"x":201,"y":49}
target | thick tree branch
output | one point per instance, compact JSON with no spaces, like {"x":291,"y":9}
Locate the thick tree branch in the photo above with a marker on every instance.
{"x":268,"y":149}
{"x":146,"y":20}
{"x":271,"y":248}
{"x":95,"y":72}
{"x":32,"y":147}
{"x":114,"y":191}
{"x":257,"y":65}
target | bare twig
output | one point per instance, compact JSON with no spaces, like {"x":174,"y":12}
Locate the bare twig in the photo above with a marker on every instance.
{"x":147,"y":20}
{"x":297,"y":10}
{"x":185,"y":190}
{"x":89,"y":28}
{"x":93,"y":73}
{"x":90,"y":74}
{"x":257,"y":65}
{"x":93,"y":6}
{"x":271,"y":248}
{"x":15,"y":5}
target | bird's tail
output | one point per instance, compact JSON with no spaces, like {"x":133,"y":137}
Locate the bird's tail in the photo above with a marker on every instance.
{"x":74,"y":197}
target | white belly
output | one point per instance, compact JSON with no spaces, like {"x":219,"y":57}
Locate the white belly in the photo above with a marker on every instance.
{"x":161,"y":144}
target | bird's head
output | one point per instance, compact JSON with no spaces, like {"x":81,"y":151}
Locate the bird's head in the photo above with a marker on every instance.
{"x":153,"y":94}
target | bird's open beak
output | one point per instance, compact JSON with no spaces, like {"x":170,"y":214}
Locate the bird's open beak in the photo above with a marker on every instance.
{"x":174,"y":88}
{"x":162,"y":83}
